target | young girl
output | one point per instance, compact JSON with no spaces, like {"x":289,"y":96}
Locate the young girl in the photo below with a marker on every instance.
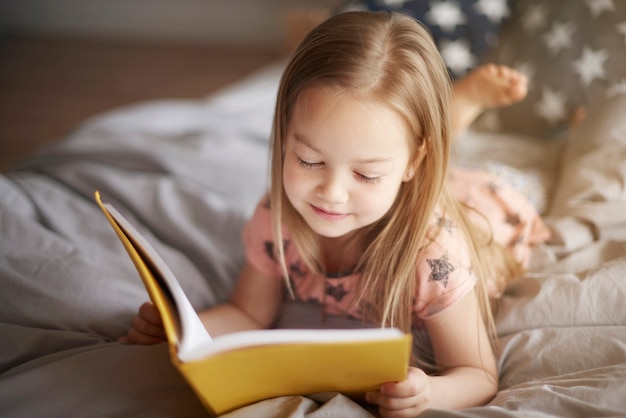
{"x":360,"y":217}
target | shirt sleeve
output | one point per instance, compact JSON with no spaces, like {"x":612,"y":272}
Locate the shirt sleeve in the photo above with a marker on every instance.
{"x":444,"y":273}
{"x":258,"y":240}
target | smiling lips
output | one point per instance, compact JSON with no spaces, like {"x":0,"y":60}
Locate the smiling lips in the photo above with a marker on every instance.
{"x":332,"y":216}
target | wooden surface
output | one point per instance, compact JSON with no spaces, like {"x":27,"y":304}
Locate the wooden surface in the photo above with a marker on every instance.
{"x":49,"y":85}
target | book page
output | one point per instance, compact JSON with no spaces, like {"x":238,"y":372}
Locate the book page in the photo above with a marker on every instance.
{"x":193,"y":333}
{"x":255,"y":338}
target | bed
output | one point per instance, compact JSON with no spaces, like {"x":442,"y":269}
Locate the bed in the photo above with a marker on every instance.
{"x":188,"y":173}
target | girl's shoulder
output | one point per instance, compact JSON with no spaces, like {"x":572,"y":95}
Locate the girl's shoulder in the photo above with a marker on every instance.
{"x":445,"y":235}
{"x":444,"y":270}
{"x":258,"y":239}
{"x":261,"y":217}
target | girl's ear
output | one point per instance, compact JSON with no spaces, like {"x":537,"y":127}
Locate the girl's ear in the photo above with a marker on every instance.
{"x":413,"y":165}
{"x":409,"y":173}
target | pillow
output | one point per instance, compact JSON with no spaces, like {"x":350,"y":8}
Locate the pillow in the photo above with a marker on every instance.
{"x":464,"y":30}
{"x":573,"y":54}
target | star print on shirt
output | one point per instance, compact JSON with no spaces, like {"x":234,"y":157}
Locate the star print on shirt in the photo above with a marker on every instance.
{"x":336,"y":292}
{"x":445,"y":223}
{"x":268,"y":246}
{"x":297,"y":270}
{"x":440,"y":269}
{"x":590,"y":65}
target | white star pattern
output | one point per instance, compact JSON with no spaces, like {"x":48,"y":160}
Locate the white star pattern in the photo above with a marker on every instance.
{"x":590,"y":65}
{"x":394,"y":3}
{"x":551,"y":107}
{"x":495,"y":10}
{"x":559,"y":37}
{"x":621,"y":28}
{"x":599,"y":6}
{"x":457,"y":56}
{"x":446,"y":14}
{"x":616,"y":89}
{"x":535,"y":17}
{"x":572,"y":54}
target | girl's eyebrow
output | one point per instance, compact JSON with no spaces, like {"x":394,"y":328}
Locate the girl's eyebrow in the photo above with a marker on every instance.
{"x":302,"y":140}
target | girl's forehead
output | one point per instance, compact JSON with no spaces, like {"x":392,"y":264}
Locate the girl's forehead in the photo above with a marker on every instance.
{"x":335,"y":101}
{"x":332,"y":92}
{"x":325,"y":117}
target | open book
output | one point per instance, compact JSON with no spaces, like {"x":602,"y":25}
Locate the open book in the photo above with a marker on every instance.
{"x":238,"y":369}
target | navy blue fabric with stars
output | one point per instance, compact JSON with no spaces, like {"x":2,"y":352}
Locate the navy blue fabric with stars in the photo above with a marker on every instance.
{"x":463,"y":30}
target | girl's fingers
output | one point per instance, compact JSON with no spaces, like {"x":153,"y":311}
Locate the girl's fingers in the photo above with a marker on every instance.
{"x":394,"y":404}
{"x":147,"y":327}
{"x":405,"y":389}
{"x":397,"y":407}
{"x":136,"y":337}
{"x":150,"y":313}
{"x":415,"y":383}
{"x":406,"y":398}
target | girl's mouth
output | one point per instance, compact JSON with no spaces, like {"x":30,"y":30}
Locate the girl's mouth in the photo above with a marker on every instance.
{"x":325,"y":214}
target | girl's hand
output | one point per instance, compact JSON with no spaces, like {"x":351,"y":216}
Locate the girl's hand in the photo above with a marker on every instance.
{"x":147,"y":327}
{"x":403,"y":399}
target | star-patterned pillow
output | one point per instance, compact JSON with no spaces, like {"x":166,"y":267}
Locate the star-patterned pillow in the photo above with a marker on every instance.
{"x":574,"y":54}
{"x":464,"y":30}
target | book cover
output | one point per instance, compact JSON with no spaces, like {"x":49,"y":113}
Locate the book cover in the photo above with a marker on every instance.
{"x":234,"y":370}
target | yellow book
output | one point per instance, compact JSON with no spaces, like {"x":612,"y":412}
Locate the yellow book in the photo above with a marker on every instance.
{"x":238,"y":369}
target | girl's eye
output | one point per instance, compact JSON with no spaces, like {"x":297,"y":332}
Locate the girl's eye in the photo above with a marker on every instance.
{"x":366,"y":179}
{"x":306,"y":164}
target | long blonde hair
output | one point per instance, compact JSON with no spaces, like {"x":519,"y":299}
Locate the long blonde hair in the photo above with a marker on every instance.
{"x":392,"y":59}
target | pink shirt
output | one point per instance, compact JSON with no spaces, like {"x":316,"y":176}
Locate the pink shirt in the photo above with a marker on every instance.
{"x":443,"y":274}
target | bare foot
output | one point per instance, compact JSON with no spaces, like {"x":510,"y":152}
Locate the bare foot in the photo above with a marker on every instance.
{"x":486,"y":87}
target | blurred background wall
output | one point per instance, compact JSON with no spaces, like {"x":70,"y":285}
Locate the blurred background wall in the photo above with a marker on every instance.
{"x":241,"y":21}
{"x":64,"y":61}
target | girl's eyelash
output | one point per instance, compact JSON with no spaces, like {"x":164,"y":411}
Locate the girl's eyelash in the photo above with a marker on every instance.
{"x":366,"y":179}
{"x":306,"y":164}
{"x":359,"y":176}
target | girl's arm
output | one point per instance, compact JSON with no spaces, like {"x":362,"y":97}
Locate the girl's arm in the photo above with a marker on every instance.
{"x":462,"y":349}
{"x":254,"y":304}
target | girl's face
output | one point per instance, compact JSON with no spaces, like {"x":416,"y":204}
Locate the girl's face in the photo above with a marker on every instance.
{"x":345,"y":160}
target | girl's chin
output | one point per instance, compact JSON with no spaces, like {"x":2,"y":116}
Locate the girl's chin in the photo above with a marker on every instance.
{"x":332,"y":233}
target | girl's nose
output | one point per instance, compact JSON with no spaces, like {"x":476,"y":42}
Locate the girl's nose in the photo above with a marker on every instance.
{"x":332,"y":188}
